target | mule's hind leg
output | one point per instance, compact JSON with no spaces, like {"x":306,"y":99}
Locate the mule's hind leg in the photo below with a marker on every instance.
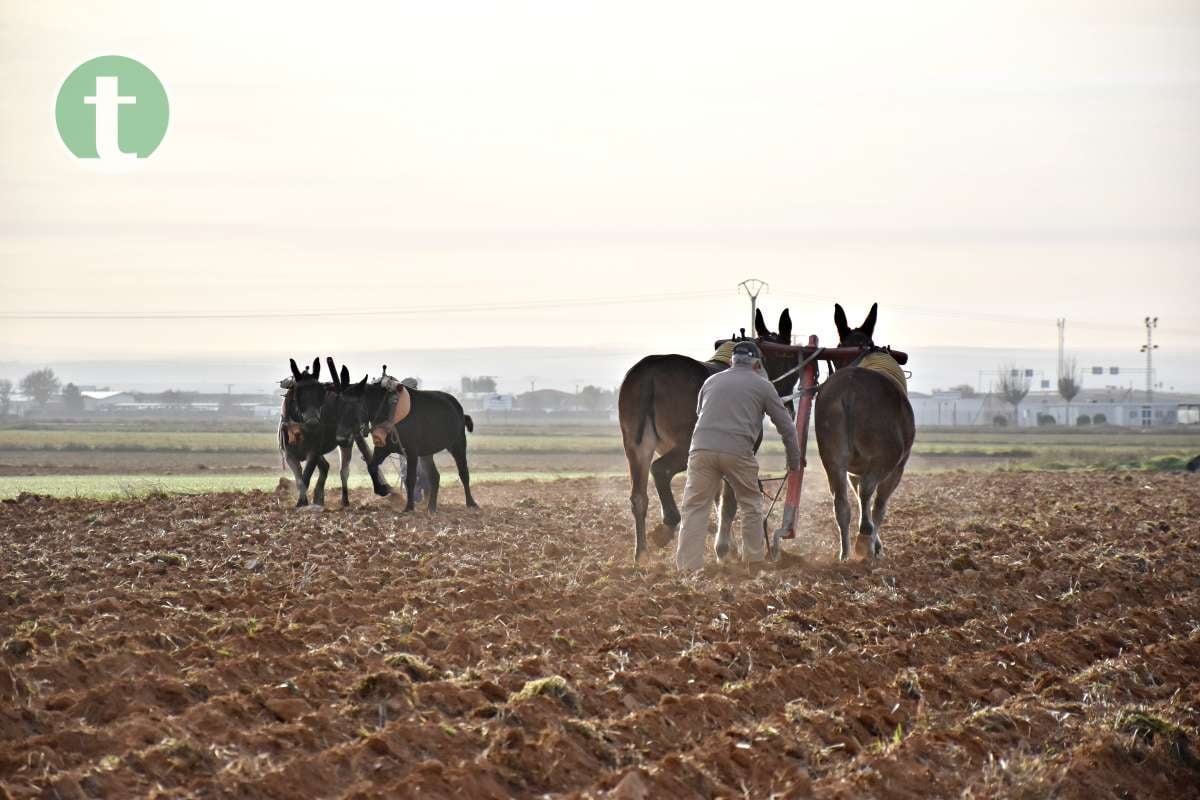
{"x":425,"y":466}
{"x":639,"y":456}
{"x":839,"y":487}
{"x":459,"y":452}
{"x":664,"y":468}
{"x":882,"y":495}
{"x":724,"y":545}
{"x":834,"y":458}
{"x":865,"y":545}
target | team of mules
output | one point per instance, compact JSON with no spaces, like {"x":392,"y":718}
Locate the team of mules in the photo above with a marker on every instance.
{"x":318,"y":416}
{"x":863,"y":420}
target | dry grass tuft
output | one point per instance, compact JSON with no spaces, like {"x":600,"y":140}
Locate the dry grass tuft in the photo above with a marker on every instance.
{"x":553,"y":686}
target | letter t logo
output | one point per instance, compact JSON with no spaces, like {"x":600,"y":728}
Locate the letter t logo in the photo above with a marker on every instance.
{"x":107,"y":99}
{"x":111,"y":112}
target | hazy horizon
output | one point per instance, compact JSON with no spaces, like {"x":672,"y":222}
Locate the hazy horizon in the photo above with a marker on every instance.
{"x":569,"y":368}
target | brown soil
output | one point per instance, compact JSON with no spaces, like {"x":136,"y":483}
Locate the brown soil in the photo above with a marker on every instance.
{"x":1028,"y":635}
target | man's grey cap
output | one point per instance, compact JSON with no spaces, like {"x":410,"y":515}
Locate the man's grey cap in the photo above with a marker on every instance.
{"x":747,"y":348}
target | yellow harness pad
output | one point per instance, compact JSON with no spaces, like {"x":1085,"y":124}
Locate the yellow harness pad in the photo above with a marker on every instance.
{"x":379,"y":433}
{"x":885,"y":364}
{"x":724,"y":354}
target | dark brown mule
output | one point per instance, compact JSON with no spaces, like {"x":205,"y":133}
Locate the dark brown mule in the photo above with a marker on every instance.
{"x":865,"y":431}
{"x":657,"y":409}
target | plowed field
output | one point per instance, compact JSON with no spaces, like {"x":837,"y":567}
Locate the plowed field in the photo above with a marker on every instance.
{"x":1027,"y":635}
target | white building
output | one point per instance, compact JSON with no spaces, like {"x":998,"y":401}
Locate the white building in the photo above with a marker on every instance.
{"x":94,"y":400}
{"x":1124,"y":407}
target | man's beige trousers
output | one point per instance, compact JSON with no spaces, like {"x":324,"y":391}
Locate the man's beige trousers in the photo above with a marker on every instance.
{"x":705,"y":470}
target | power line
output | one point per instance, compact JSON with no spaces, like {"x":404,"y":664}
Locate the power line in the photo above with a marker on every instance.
{"x":358,"y":312}
{"x":521,"y":305}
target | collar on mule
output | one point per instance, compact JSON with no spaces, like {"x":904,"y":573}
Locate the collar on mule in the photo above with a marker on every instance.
{"x":400,"y":410}
{"x":294,"y":432}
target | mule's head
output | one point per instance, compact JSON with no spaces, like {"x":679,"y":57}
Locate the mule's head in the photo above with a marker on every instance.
{"x":351,"y":408}
{"x":308,"y":393}
{"x":775,"y":364}
{"x":863,"y":335}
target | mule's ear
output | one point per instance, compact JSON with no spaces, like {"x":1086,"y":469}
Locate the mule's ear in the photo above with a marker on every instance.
{"x":839,"y":320}
{"x":295,"y":369}
{"x":868,"y":326}
{"x":785,"y":326}
{"x":333,"y":376}
{"x":760,"y":324}
{"x":345,"y":376}
{"x":317,"y":368}
{"x":363,"y":383}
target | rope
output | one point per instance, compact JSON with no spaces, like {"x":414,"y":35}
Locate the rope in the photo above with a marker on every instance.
{"x":779,"y":491}
{"x":816,"y":354}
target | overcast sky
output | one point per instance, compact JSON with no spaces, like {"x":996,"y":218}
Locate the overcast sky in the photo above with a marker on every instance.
{"x":604,"y":174}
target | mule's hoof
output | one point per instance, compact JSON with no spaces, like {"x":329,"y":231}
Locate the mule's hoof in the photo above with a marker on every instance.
{"x":315,"y":508}
{"x":862,"y":547}
{"x":662,"y":535}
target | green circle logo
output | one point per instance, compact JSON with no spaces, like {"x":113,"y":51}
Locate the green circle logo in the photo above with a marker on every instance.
{"x":112,"y":108}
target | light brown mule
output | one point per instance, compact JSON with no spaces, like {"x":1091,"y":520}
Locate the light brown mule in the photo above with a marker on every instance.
{"x":865,"y":432}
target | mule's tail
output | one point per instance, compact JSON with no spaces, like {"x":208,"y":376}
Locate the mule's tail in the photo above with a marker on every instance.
{"x":469,"y":423}
{"x":645,"y":411}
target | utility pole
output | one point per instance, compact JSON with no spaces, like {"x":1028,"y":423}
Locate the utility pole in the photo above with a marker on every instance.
{"x":753,"y":286}
{"x":1148,"y":348}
